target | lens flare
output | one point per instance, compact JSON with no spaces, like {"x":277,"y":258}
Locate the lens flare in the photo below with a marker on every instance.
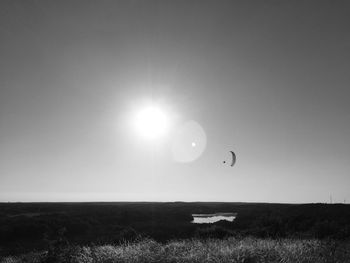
{"x":189,"y":142}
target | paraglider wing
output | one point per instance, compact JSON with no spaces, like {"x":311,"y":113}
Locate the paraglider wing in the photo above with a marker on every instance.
{"x":233,"y":158}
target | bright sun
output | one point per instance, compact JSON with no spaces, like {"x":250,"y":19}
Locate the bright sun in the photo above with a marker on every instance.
{"x":151,"y":122}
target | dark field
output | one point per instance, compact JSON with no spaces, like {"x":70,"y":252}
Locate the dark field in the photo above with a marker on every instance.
{"x":28,"y":227}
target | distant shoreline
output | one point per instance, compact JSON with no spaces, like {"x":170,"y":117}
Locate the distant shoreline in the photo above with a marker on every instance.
{"x":215,"y":214}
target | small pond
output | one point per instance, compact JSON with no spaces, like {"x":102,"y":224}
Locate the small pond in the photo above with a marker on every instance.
{"x":212,"y":218}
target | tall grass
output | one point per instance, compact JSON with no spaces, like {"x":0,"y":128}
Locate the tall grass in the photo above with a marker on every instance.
{"x":247,"y":250}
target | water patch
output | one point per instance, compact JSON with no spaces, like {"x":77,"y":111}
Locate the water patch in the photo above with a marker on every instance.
{"x":212,"y":218}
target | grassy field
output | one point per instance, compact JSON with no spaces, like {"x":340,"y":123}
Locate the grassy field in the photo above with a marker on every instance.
{"x":145,"y":232}
{"x":199,"y":250}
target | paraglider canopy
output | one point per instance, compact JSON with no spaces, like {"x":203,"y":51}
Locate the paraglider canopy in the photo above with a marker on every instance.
{"x":233,"y":158}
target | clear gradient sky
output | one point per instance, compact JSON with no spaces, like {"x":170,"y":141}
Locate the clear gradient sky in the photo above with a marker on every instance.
{"x":267,"y":79}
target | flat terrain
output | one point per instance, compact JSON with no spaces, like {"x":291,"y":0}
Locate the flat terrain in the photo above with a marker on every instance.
{"x":200,"y":251}
{"x":26,"y":227}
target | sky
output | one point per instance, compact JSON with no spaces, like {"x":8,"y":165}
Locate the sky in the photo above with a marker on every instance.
{"x":268,"y":80}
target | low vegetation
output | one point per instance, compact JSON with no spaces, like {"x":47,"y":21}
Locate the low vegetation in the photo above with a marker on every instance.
{"x":243,"y":250}
{"x":145,"y":232}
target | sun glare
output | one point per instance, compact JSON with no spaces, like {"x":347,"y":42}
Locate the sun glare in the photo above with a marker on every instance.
{"x":151,"y":122}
